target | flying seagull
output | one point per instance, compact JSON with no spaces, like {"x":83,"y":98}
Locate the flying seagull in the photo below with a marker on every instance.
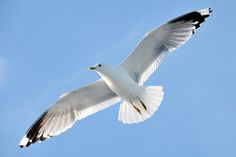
{"x":119,"y":83}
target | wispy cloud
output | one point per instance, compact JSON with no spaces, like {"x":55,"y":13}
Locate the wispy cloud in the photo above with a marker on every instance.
{"x":3,"y":72}
{"x":134,"y":34}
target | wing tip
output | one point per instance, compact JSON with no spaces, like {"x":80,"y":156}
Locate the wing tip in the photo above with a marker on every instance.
{"x":205,"y":12}
{"x":33,"y":135}
{"x":25,"y":142}
{"x":198,"y":16}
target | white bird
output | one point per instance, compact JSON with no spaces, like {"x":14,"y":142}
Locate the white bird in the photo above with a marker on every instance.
{"x":119,"y":83}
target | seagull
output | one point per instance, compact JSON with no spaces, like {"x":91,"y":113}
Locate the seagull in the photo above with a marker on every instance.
{"x":119,"y":83}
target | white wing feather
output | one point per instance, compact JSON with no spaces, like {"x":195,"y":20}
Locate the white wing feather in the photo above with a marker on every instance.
{"x":149,"y":53}
{"x":71,"y":106}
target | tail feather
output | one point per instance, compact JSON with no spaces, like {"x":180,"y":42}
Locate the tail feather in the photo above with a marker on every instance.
{"x":143,"y":107}
{"x":128,"y":114}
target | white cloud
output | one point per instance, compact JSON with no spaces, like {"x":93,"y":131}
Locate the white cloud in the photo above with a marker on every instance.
{"x":134,"y":35}
{"x":3,"y":69}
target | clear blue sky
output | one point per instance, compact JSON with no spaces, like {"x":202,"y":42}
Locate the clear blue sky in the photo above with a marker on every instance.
{"x":46,"y":47}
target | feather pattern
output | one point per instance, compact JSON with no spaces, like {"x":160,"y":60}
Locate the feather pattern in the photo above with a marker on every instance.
{"x":69,"y":108}
{"x":147,"y":56}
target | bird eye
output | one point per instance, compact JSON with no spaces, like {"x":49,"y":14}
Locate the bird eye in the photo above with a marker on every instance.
{"x":99,"y":65}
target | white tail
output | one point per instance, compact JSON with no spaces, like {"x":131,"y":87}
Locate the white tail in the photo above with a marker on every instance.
{"x":143,"y":107}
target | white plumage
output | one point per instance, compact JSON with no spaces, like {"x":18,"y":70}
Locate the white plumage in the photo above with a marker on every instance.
{"x":123,"y":83}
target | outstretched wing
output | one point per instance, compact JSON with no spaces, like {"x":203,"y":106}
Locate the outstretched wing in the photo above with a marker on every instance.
{"x":147,"y":56}
{"x":71,"y":106}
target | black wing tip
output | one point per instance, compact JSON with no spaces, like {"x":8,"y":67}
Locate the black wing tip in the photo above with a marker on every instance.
{"x":31,"y":135}
{"x":21,"y":146}
{"x":196,"y":17}
{"x":25,"y":142}
{"x":210,"y":10}
{"x":29,"y":142}
{"x":199,"y":16}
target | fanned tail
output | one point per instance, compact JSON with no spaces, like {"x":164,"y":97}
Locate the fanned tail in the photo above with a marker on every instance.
{"x":143,"y":107}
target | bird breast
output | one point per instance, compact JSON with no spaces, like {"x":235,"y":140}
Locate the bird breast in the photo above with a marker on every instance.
{"x":120,"y":82}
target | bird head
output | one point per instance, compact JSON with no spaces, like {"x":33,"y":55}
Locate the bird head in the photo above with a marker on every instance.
{"x":96,"y":67}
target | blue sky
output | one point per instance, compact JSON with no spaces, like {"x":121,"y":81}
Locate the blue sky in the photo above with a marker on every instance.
{"x":47,"y":46}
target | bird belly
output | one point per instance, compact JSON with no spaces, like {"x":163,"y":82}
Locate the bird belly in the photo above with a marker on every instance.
{"x":123,"y":85}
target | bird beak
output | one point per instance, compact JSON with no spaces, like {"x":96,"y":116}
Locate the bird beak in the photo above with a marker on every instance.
{"x":92,"y":68}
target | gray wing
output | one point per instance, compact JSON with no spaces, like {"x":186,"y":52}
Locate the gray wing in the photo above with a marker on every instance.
{"x":147,"y":56}
{"x":71,"y":106}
